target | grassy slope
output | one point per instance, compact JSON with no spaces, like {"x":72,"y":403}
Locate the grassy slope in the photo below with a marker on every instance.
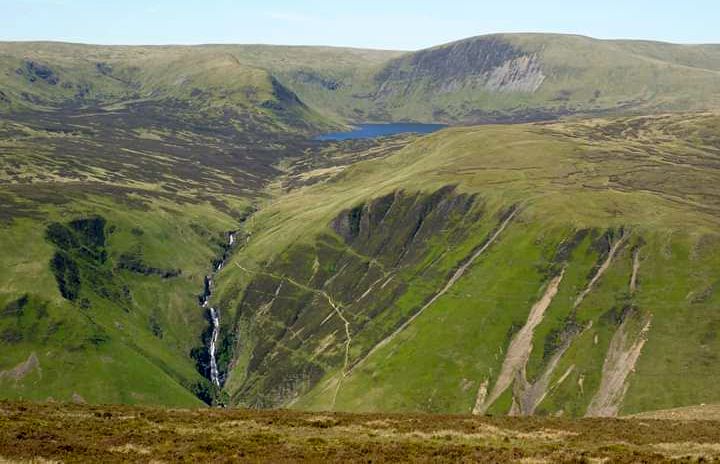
{"x":582,"y":75}
{"x":169,"y":190}
{"x":210,"y":80}
{"x":566,"y":177}
{"x":109,"y":352}
{"x":331,"y":80}
{"x":169,"y":145}
{"x":657,"y":76}
{"x":651,"y":176}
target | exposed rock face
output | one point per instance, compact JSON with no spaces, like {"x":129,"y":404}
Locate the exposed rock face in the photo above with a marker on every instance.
{"x":315,"y":78}
{"x":489,"y":63}
{"x":523,"y":74}
{"x":33,"y":71}
{"x":283,"y":98}
{"x":394,"y":226}
{"x":520,"y":348}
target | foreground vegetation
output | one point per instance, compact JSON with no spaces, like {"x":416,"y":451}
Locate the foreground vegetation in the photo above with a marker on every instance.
{"x":74,"y":433}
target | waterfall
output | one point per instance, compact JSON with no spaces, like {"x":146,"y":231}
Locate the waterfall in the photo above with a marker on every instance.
{"x":204,"y":300}
{"x":214,"y":374}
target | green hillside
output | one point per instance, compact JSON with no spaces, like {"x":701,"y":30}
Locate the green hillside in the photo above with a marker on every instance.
{"x":78,"y":324}
{"x":205,"y":82}
{"x":405,"y":283}
{"x":558,"y":267}
{"x":493,"y":78}
{"x":516,"y":77}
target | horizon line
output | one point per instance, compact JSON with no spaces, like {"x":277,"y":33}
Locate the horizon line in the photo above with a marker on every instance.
{"x":353,"y":47}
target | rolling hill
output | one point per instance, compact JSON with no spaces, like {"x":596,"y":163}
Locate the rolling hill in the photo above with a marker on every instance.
{"x":537,"y":76}
{"x":494,"y":78}
{"x":551,"y":268}
{"x":563,"y":265}
{"x":515,"y":78}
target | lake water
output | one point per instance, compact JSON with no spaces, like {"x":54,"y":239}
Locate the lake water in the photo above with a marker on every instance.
{"x":371,"y":131}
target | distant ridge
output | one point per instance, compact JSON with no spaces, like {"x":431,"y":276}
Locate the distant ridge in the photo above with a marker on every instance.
{"x":489,"y":78}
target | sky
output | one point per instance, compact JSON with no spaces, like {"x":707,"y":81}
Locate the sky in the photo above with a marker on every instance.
{"x":388,"y":24}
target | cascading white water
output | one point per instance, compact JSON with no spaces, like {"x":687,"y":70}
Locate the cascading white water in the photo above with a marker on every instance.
{"x":214,"y":314}
{"x":214,"y":373}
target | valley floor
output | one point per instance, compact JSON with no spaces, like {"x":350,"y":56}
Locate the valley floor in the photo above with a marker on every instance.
{"x":38,"y":432}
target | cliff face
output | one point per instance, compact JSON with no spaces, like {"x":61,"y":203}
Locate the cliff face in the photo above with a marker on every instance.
{"x":517,"y":78}
{"x":485,"y":63}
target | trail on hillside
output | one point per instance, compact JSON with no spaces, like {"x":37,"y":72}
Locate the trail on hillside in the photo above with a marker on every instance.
{"x":619,"y":362}
{"x":448,"y":285}
{"x":348,"y":340}
{"x":518,"y":351}
{"x":371,"y":288}
{"x":336,"y":310}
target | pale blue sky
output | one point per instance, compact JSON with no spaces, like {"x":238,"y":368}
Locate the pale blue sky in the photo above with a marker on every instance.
{"x":396,"y":24}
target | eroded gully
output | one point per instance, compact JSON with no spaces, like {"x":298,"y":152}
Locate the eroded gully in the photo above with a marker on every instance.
{"x":213,"y":312}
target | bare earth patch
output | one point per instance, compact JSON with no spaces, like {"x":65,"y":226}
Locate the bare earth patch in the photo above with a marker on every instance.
{"x":520,"y":347}
{"x":619,"y":362}
{"x":20,"y":371}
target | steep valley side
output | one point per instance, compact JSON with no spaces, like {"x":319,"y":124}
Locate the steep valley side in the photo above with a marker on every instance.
{"x":364,"y":292}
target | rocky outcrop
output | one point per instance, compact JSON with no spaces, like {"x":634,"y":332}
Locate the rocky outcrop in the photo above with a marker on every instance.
{"x":315,"y":78}
{"x":80,"y":241}
{"x":33,"y":71}
{"x":133,"y":262}
{"x":484,"y":63}
{"x":522,"y":74}
{"x":283,"y":98}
